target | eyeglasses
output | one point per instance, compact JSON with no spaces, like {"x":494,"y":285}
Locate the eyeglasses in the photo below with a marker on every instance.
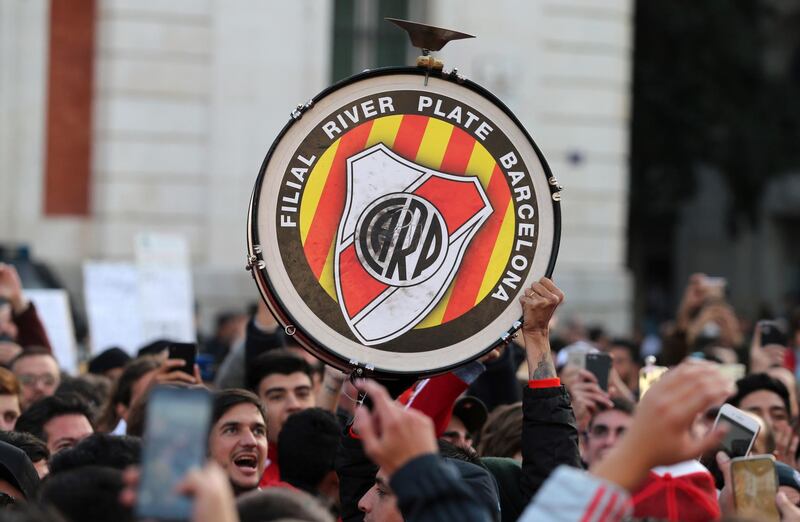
{"x":601,"y":431}
{"x":30,"y":380}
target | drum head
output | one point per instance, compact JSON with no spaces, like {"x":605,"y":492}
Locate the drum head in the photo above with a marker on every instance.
{"x":394,"y":224}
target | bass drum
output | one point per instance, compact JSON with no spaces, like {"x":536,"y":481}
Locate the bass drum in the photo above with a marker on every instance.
{"x":396,"y":220}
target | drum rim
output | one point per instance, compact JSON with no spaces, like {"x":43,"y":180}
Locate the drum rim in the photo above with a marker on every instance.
{"x":264,"y":285}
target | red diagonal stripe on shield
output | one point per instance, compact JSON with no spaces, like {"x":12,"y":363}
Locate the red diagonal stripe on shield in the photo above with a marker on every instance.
{"x":458,"y":202}
{"x":323,"y":226}
{"x":468,"y":282}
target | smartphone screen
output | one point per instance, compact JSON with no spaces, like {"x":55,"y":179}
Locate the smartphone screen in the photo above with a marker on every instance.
{"x":599,"y":364}
{"x":755,"y":485}
{"x":185,"y":351}
{"x":175,"y":441}
{"x":739,"y":438}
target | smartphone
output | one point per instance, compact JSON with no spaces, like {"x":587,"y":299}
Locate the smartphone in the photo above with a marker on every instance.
{"x":772,"y":333}
{"x":175,"y":441}
{"x":742,"y":430}
{"x":599,"y":364}
{"x":185,"y":351}
{"x":755,"y":484}
{"x":648,"y":376}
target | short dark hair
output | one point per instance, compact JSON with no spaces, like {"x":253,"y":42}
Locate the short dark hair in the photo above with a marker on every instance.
{"x":87,"y":493}
{"x":757,"y":382}
{"x":307,"y":448}
{"x":274,"y":504}
{"x":628,"y":345}
{"x":279,"y":361}
{"x":30,"y":351}
{"x":33,"y":446}
{"x":224,"y":400}
{"x":110,"y":359}
{"x":617,"y":404}
{"x":99,"y":449}
{"x":94,"y":389}
{"x":44,"y":410}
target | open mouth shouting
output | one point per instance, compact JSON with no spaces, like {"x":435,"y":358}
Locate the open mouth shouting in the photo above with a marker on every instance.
{"x":246,"y":462}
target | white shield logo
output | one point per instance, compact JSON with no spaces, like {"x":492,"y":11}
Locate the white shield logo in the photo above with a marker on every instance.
{"x":401,"y":239}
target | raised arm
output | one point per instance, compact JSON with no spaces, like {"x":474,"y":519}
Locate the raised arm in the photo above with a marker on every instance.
{"x":659,"y":436}
{"x":549,"y":433}
{"x":31,"y":331}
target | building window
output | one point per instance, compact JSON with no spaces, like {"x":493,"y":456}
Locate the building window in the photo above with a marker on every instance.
{"x":363,"y":40}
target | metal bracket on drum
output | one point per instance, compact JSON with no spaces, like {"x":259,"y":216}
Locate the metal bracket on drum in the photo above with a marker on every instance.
{"x":298,"y":111}
{"x":511,"y":333}
{"x":557,"y":188}
{"x":358,"y":368}
{"x":454,"y":76}
{"x":254,"y":261}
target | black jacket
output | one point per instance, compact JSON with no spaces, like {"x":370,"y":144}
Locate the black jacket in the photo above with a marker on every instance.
{"x":549,"y":437}
{"x":356,"y":475}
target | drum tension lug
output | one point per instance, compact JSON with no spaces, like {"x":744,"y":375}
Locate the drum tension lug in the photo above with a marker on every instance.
{"x":359,"y":368}
{"x":453,"y":75}
{"x":512,"y":333}
{"x":300,"y":109}
{"x":554,"y":182}
{"x":251,"y":260}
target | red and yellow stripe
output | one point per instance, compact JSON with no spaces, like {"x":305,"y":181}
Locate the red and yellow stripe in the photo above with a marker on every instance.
{"x":435,"y":144}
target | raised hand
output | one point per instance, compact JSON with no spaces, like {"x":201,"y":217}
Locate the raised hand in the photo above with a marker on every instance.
{"x":11,"y":288}
{"x":392,"y":435}
{"x":538,"y":305}
{"x":660,"y":434}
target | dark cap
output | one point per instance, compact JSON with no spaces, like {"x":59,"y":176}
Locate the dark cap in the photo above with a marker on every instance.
{"x":16,"y":469}
{"x":108,"y":360}
{"x":472,"y":413}
{"x":154,"y":348}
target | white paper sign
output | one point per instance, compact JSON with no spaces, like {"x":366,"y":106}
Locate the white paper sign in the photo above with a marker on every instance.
{"x":111,"y":293}
{"x":53,"y":309}
{"x":165,"y":287}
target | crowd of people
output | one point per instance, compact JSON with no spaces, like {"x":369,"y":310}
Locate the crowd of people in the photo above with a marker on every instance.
{"x":522,"y":433}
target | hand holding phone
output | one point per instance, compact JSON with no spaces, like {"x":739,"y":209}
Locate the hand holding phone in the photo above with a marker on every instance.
{"x":755,"y":485}
{"x":175,"y":442}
